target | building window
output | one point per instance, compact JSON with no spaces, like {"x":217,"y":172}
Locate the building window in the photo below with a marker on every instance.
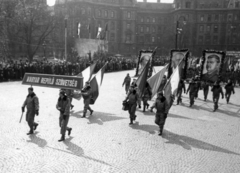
{"x":201,"y":5}
{"x":216,"y":17}
{"x":128,"y":15}
{"x":105,"y":14}
{"x":236,"y":17}
{"x":209,"y":18}
{"x":128,"y":38}
{"x":153,"y":39}
{"x":233,"y":40}
{"x":141,"y":39}
{"x":128,"y":26}
{"x":229,"y":17}
{"x":83,"y":11}
{"x":148,"y":19}
{"x":154,"y":20}
{"x":159,"y":29}
{"x":215,"y":30}
{"x":200,"y":39}
{"x":188,"y":4}
{"x":201,"y":28}
{"x":98,"y":13}
{"x":141,"y":20}
{"x":237,"y":4}
{"x":208,"y":28}
{"x":112,"y":14}
{"x":141,"y":29}
{"x":202,"y":18}
{"x":153,"y":30}
{"x":208,"y":39}
{"x":147,"y":29}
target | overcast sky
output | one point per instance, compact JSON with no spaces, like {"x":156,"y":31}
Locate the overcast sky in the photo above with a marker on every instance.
{"x":51,"y":2}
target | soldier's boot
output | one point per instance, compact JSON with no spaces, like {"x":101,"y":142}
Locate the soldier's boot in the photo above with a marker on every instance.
{"x":84,"y":114}
{"x":139,"y":106}
{"x":72,"y":106}
{"x":91,"y":112}
{"x":147,"y":105}
{"x":35,"y":126}
{"x":69,"y":131}
{"x":131,"y":121}
{"x":160,"y":131}
{"x":144,"y":107}
{"x":30,"y":132}
{"x":62,"y":138}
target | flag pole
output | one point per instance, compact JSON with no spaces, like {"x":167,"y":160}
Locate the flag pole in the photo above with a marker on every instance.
{"x":66,"y":18}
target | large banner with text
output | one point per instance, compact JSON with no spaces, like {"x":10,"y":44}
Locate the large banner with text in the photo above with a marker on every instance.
{"x":53,"y":81}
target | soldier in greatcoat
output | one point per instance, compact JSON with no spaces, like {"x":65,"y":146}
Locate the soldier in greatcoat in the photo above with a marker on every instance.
{"x":192,"y":89}
{"x":127,"y":82}
{"x":87,"y":95}
{"x":32,"y":104}
{"x":229,"y":90}
{"x":217,"y":90}
{"x":63,"y":105}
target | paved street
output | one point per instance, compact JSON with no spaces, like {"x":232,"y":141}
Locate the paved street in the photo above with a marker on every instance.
{"x":195,"y":140}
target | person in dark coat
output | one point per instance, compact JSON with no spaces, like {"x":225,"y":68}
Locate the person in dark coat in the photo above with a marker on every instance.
{"x":192,"y":89}
{"x":162,"y":111}
{"x":63,"y":105}
{"x":217,"y":90}
{"x":205,"y":87}
{"x":229,"y":90}
{"x":87,"y":95}
{"x":32,"y":104}
{"x":147,"y":94}
{"x":132,"y":99}
{"x":127,"y":82}
{"x":181,"y":88}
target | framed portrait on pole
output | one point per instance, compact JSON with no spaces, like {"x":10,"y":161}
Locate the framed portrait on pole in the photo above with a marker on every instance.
{"x":143,"y":58}
{"x":176,"y":57}
{"x":212,"y":66}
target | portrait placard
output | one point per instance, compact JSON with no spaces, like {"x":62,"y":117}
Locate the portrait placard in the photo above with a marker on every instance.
{"x":175,"y":58}
{"x":144,"y":57}
{"x":212,"y":65}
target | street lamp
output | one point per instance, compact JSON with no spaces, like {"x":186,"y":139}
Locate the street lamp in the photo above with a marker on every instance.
{"x":178,"y":29}
{"x":44,"y":49}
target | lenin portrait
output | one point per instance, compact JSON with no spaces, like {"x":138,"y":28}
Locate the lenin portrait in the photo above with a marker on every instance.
{"x":144,"y":58}
{"x":211,"y":67}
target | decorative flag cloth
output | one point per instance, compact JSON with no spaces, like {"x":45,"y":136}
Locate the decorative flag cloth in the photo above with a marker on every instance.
{"x":142,"y":79}
{"x":79,"y":28}
{"x":99,"y":32}
{"x":170,"y":89}
{"x":87,"y":73}
{"x":155,"y":81}
{"x":96,"y":82}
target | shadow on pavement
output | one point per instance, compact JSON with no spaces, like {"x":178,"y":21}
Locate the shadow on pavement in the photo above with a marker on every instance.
{"x":37,"y":140}
{"x":76,"y":114}
{"x":178,"y":116}
{"x":188,"y":142}
{"x":77,"y":151}
{"x":145,"y":127}
{"x":100,"y":117}
{"x":233,"y":104}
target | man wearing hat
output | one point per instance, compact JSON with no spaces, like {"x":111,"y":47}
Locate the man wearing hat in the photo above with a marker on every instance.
{"x":126,"y":82}
{"x":32,"y":105}
{"x":162,"y":110}
{"x":217,"y":90}
{"x":87,"y":95}
{"x":63,"y":105}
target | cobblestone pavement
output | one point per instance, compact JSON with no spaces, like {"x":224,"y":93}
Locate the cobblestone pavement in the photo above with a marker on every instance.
{"x":195,"y":140}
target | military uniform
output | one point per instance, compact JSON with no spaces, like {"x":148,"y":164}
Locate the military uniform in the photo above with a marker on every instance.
{"x":87,"y":95}
{"x":63,"y":105}
{"x":217,"y":90}
{"x":205,"y":88}
{"x":181,"y":88}
{"x":127,"y":82}
{"x":192,"y":89}
{"x":229,"y":90}
{"x":32,"y":104}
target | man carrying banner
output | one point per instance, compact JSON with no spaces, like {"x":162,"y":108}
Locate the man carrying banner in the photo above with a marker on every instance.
{"x":162,"y":111}
{"x":32,"y":104}
{"x":132,"y":99}
{"x":181,"y":88}
{"x":86,"y":94}
{"x":217,"y":90}
{"x":127,"y":82}
{"x":229,"y":90}
{"x":63,"y":105}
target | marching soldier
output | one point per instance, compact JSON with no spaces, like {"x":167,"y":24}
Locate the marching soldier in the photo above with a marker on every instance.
{"x":181,"y":88}
{"x":87,"y":95}
{"x":205,"y":87}
{"x":69,"y":94}
{"x":32,"y":105}
{"x":132,"y":99}
{"x":134,"y":86}
{"x":217,"y":90}
{"x":127,"y":82}
{"x":63,"y":105}
{"x":162,"y":111}
{"x":229,"y":90}
{"x":192,"y":89}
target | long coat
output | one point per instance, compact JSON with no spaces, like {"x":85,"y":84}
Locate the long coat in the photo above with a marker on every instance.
{"x":64,"y":105}
{"x":32,"y":104}
{"x":162,"y":111}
